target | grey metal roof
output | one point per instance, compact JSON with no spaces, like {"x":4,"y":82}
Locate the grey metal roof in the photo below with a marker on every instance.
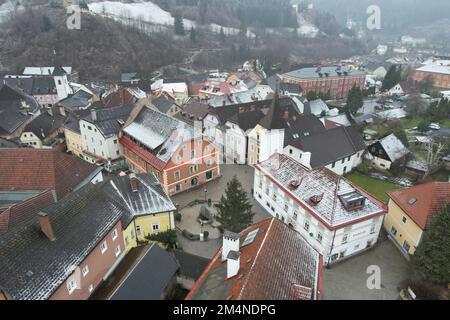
{"x":44,"y":124}
{"x":108,"y":119}
{"x":149,"y":199}
{"x":191,"y":266}
{"x":149,"y":278}
{"x":393,"y":147}
{"x":331,"y":145}
{"x":311,"y":73}
{"x":33,"y":267}
{"x":162,"y":103}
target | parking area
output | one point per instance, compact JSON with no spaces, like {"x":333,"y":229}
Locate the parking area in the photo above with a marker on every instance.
{"x":348,"y":280}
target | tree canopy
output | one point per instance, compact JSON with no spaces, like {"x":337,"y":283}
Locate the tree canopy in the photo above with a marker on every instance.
{"x":393,"y":77}
{"x":234,"y":209}
{"x":354,"y":100}
{"x":432,"y":257}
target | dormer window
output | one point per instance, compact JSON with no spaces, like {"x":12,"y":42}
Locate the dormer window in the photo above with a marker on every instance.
{"x":353,"y":200}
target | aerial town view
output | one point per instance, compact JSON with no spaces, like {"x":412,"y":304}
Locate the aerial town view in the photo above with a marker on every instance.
{"x":234,"y":150}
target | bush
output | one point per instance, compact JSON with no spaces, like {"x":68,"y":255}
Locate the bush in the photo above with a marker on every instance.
{"x":178,"y":217}
{"x":206,"y":235}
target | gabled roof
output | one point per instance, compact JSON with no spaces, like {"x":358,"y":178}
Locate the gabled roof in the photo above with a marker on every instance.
{"x":45,"y":124}
{"x":110,"y":120}
{"x":393,"y":147}
{"x":13,"y":114}
{"x":149,"y":198}
{"x":331,"y":145}
{"x":302,"y":126}
{"x":23,"y":211}
{"x":149,"y":278}
{"x":161,"y":133}
{"x":33,"y":267}
{"x":163,"y":103}
{"x":271,"y":268}
{"x":422,"y":202}
{"x":42,"y":169}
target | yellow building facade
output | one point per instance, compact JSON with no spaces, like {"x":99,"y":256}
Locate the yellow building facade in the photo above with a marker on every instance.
{"x":73,"y":142}
{"x":402,"y":229}
{"x":144,"y":225}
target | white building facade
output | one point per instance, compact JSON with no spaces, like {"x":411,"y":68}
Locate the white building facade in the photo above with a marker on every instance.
{"x":313,"y":202}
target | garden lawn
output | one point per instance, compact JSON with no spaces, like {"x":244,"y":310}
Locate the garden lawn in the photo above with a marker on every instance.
{"x":375,"y":187}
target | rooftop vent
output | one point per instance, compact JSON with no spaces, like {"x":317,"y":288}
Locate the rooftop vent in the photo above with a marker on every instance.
{"x":294,"y":184}
{"x":315,"y":200}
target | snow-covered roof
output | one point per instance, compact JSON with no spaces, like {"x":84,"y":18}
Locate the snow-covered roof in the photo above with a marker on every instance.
{"x":43,"y":71}
{"x":157,"y":130}
{"x":397,"y":113}
{"x":179,"y":87}
{"x":320,"y":182}
{"x":318,"y":106}
{"x":393,"y":147}
{"x":436,"y":66}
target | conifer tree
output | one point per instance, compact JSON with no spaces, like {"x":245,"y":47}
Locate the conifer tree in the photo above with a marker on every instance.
{"x":432,"y":257}
{"x":354,"y":100}
{"x":179,"y":25}
{"x":234,"y":209}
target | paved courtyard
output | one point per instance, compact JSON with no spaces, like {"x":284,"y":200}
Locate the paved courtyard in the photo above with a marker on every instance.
{"x":347,"y":280}
{"x":215,"y":190}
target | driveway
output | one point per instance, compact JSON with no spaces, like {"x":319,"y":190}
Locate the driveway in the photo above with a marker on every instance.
{"x":347,"y":280}
{"x":215,"y":189}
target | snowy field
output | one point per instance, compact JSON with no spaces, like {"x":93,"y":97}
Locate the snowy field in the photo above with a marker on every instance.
{"x":148,"y":12}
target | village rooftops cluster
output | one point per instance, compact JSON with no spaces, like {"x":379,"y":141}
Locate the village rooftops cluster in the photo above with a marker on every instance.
{"x":267,"y":261}
{"x":38,"y":255}
{"x":320,"y":191}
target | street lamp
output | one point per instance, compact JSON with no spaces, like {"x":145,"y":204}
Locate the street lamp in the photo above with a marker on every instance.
{"x":206,"y":191}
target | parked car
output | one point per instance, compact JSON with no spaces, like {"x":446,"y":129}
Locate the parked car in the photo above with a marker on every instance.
{"x":435,"y":126}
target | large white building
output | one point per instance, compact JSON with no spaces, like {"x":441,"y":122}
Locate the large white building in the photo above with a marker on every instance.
{"x":337,"y":218}
{"x":100,"y":134}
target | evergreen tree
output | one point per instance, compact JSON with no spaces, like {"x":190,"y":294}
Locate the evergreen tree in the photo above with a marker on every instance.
{"x":222,"y":35}
{"x":354,"y":100}
{"x":192,"y":35}
{"x":179,"y":25}
{"x":234,"y":209}
{"x":311,"y":96}
{"x":432,"y":257}
{"x":393,"y":76}
{"x":167,"y":238}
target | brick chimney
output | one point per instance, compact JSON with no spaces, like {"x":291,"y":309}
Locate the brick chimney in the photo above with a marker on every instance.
{"x":133,"y":182}
{"x":46,"y":226}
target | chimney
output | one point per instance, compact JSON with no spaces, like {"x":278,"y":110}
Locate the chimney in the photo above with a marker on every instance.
{"x":233,"y":263}
{"x":134,"y":182}
{"x":94,"y":115}
{"x":230,"y":243}
{"x":46,"y":226}
{"x":62,"y":111}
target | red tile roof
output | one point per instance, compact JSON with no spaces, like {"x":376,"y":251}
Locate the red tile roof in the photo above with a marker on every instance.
{"x":42,"y":169}
{"x":430,"y":199}
{"x":278,"y":264}
{"x":25,"y":210}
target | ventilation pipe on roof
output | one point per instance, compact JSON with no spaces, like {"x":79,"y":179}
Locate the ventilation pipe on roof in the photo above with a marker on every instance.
{"x":46,"y":226}
{"x":233,"y":263}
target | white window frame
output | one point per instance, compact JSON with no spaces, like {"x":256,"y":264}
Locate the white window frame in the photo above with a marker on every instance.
{"x":114,"y":234}
{"x":153,"y":227}
{"x":85,"y":270}
{"x":71,"y":285}
{"x":104,"y":247}
{"x":117,"y":251}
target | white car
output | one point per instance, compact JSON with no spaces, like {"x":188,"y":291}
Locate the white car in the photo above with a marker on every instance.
{"x":435,"y":126}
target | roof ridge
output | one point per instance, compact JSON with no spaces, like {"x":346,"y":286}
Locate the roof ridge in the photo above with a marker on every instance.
{"x":256,"y":257}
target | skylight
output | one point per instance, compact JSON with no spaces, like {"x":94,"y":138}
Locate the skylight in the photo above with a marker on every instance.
{"x":250,"y":237}
{"x":412,"y":201}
